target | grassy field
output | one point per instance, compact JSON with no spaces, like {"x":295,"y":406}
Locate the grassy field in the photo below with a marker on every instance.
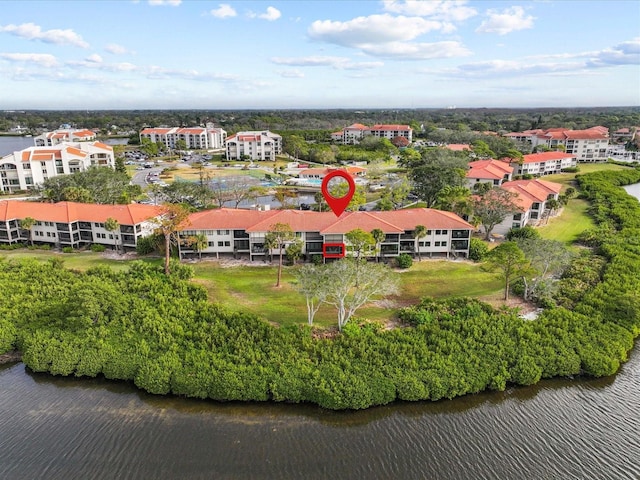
{"x":567,"y":226}
{"x":252,"y":288}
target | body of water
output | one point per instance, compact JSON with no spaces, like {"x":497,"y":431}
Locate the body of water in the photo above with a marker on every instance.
{"x":67,"y":428}
{"x":633,"y":190}
{"x":10,"y":144}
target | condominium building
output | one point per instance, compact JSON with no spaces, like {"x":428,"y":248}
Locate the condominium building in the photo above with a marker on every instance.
{"x":531,"y":197}
{"x":25,"y":169}
{"x":493,"y":172}
{"x":545,"y":163}
{"x":241,"y":233}
{"x":57,"y":137}
{"x":197,"y":138}
{"x":353,"y":134}
{"x":70,"y":224}
{"x":588,"y":145}
{"x":254,"y":145}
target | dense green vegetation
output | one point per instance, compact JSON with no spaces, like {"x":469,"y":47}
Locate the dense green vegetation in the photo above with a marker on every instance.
{"x":316,"y":124}
{"x":162,"y":333}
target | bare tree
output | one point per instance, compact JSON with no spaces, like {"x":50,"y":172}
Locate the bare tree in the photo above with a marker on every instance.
{"x":311,"y":281}
{"x":493,"y":207}
{"x":350,"y":287}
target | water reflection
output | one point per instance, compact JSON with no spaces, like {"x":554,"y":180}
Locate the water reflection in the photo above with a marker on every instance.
{"x":55,"y":427}
{"x":235,"y":410}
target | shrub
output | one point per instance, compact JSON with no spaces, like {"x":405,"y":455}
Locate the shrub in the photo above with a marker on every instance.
{"x":96,"y":247}
{"x":571,"y":170}
{"x":146,"y":245}
{"x":477,"y":250}
{"x":67,"y":249}
{"x":522,"y":233}
{"x":316,"y":259}
{"x":404,"y":260}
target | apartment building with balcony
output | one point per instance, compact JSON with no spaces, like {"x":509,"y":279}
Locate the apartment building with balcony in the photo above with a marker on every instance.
{"x":254,"y":145}
{"x":241,"y":233}
{"x":195,"y":138}
{"x":545,"y":163}
{"x":589,"y":145}
{"x":531,"y":198}
{"x":25,"y":169}
{"x":49,"y":139}
{"x":353,"y":134}
{"x":70,"y":224}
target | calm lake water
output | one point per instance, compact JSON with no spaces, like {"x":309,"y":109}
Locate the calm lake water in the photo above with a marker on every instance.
{"x":10,"y":144}
{"x":633,"y":190}
{"x":66,"y":428}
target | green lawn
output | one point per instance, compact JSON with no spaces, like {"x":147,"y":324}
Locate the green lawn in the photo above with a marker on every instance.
{"x":567,"y":226}
{"x":252,"y":288}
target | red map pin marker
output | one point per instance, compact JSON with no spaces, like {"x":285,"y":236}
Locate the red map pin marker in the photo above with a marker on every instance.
{"x":338,"y":205}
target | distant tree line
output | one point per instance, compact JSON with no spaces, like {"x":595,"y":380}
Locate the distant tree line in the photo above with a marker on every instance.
{"x":329,"y":120}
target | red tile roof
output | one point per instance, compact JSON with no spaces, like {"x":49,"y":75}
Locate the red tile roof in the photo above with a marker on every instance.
{"x":67,"y":212}
{"x":102,"y":146}
{"x":489,"y":169}
{"x":530,"y":191}
{"x":545,"y":157}
{"x":390,"y":127}
{"x":155,"y":131}
{"x":325,"y":222}
{"x":226,"y":218}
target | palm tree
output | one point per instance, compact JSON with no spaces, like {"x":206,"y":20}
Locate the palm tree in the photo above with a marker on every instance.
{"x":199,"y":242}
{"x":27,"y":223}
{"x":419,"y":232}
{"x":378,"y":237}
{"x":173,"y":218}
{"x":111,"y":225}
{"x":277,"y":236}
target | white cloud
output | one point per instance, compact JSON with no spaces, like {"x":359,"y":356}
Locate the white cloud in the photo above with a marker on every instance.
{"x":31,"y":31}
{"x":374,"y":29}
{"x":291,"y":74}
{"x":456,"y":10}
{"x":116,"y":49}
{"x":94,"y":58}
{"x":509,"y":20}
{"x":271,"y":14}
{"x":339,"y":63}
{"x":625,"y":53}
{"x":417,"y":51}
{"x":170,"y":3}
{"x":41,"y":59}
{"x":224,"y":10}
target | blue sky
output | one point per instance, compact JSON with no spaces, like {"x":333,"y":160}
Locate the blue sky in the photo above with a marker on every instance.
{"x":169,"y":54}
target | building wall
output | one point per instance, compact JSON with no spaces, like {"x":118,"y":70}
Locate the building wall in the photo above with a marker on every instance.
{"x":16,"y":174}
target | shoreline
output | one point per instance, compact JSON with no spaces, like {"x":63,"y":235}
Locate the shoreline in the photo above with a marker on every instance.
{"x":11,"y":357}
